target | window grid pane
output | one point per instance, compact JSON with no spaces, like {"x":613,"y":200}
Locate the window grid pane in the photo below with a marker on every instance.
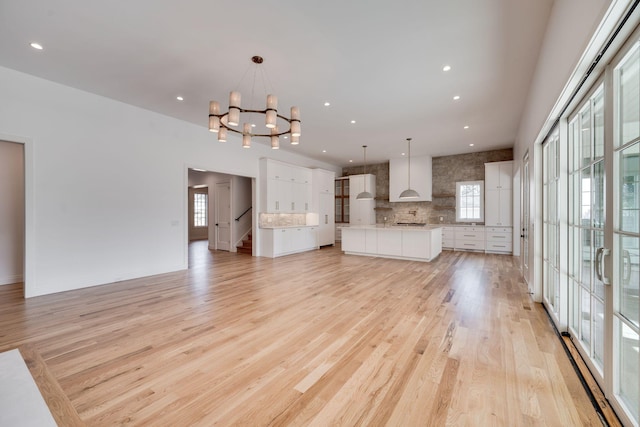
{"x":200,"y":201}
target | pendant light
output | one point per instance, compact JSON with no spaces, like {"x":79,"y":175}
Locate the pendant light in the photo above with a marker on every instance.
{"x":409,"y":193}
{"x":365,"y":195}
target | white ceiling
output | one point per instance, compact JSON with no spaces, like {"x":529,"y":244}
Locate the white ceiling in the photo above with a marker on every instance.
{"x":377,"y":62}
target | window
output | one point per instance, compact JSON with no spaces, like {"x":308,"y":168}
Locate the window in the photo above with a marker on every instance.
{"x":470,"y":201}
{"x":200,"y":201}
{"x":342,"y":200}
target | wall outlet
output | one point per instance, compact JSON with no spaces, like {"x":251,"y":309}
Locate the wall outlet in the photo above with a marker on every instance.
{"x":441,"y":218}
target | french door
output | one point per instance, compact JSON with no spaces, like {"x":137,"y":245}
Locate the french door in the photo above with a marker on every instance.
{"x":603,"y":232}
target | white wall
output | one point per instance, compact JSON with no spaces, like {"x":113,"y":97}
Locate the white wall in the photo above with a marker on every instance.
{"x":106,"y":182}
{"x":574,"y":34}
{"x":11,"y":212}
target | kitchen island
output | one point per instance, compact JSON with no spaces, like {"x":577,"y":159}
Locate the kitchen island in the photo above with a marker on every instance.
{"x":414,"y":243}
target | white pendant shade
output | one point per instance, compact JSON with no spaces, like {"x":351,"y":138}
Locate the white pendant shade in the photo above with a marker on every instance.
{"x":409,"y":193}
{"x":364,"y":195}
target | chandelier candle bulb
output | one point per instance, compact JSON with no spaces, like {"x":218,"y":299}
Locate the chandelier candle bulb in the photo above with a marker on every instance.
{"x":222,"y":134}
{"x":295,"y":140}
{"x":234,"y":99}
{"x":295,"y":128}
{"x":271,"y":118}
{"x":214,"y":110}
{"x":295,"y":113}
{"x":275,"y":141}
{"x":234,"y":108}
{"x":246,"y":135}
{"x":272,"y":102}
{"x":214,"y":124}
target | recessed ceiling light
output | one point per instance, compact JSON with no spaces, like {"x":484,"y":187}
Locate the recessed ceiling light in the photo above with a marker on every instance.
{"x":326,"y":104}
{"x":446,"y":68}
{"x":36,"y":46}
{"x":470,"y":145}
{"x":353,"y":121}
{"x":455,"y":98}
{"x":350,"y":161}
{"x":179,"y":98}
{"x":403,"y":154}
{"x":286,"y":137}
{"x":324,"y":151}
{"x":466,"y":127}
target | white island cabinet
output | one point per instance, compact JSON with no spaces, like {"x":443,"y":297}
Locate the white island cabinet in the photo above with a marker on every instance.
{"x":410,"y":243}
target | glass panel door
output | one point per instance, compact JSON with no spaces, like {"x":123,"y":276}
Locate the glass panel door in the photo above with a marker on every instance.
{"x":587,"y":228}
{"x":552,"y":285}
{"x":626,"y":234}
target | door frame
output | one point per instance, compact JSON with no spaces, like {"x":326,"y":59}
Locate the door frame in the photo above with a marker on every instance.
{"x":29,"y":284}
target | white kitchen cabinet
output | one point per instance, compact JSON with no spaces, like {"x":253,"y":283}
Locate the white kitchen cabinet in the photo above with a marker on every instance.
{"x":284,"y":241}
{"x":288,"y":187}
{"x":498,"y":175}
{"x":356,"y":242}
{"x":498,"y":194}
{"x":390,"y":242}
{"x":323,"y":202}
{"x":499,"y":239}
{"x":421,"y":178}
{"x":448,"y":237}
{"x":362,"y":212}
{"x":470,"y":238}
{"x":412,"y":243}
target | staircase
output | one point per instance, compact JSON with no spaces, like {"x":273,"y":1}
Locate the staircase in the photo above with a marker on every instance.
{"x":246,"y":247}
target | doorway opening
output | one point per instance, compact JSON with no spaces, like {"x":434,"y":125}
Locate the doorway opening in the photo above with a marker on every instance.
{"x":12,"y":213}
{"x":220,"y":213}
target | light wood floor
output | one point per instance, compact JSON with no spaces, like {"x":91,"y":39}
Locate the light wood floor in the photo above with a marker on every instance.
{"x":318,"y":338}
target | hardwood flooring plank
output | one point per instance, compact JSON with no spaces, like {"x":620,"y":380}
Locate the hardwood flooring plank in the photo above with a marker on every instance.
{"x":318,"y":338}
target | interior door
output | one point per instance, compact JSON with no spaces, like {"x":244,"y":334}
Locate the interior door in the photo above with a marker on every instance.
{"x":223,"y":216}
{"x":526,"y":202}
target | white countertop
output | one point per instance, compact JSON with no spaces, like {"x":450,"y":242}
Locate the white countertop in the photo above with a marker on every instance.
{"x":274,"y":227}
{"x":392,"y":227}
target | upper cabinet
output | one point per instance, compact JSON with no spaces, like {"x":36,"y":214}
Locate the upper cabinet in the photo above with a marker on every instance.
{"x":497,"y":195}
{"x":288,"y":187}
{"x":498,"y":175}
{"x":420,"y":178}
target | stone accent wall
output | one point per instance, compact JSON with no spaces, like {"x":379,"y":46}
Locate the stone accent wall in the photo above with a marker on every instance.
{"x":447,"y":170}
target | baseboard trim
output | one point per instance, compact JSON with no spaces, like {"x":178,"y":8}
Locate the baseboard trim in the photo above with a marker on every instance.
{"x":11,"y":280}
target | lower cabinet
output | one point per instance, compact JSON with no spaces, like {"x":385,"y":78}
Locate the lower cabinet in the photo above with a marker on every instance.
{"x":448,"y":237}
{"x":284,"y":241}
{"x":499,"y":239}
{"x":469,"y":238}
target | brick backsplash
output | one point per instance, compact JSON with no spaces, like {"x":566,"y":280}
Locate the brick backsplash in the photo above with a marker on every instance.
{"x":447,"y":170}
